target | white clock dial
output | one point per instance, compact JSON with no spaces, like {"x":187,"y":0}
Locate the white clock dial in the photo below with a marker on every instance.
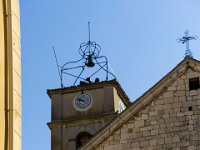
{"x":83,"y":101}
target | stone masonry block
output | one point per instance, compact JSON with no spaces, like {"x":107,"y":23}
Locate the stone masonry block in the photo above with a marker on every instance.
{"x":192,"y":75}
{"x":167,"y":106}
{"x":153,"y":142}
{"x":160,"y":141}
{"x":144,"y":143}
{"x":153,"y":122}
{"x":176,"y":139}
{"x":146,"y":133}
{"x":180,"y":114}
{"x":168,"y":140}
{"x":182,"y":98}
{"x":159,"y":107}
{"x":117,"y":147}
{"x":192,"y":148}
{"x":193,"y":92}
{"x":135,"y":144}
{"x":154,"y":132}
{"x":126,"y":145}
{"x":153,"y":113}
{"x":139,"y":123}
{"x":179,"y":93}
{"x":168,"y":94}
{"x":172,"y":88}
{"x":181,"y":87}
{"x":180,"y":82}
{"x":165,"y":116}
{"x":169,"y":100}
{"x":144,"y":116}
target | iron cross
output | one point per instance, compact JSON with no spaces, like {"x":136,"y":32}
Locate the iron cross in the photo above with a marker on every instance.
{"x":185,"y":39}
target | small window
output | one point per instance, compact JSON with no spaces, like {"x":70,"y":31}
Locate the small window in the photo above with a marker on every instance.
{"x":194,"y":83}
{"x":190,"y":108}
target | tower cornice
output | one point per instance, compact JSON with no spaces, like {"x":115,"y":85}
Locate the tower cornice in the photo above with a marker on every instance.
{"x":92,"y":86}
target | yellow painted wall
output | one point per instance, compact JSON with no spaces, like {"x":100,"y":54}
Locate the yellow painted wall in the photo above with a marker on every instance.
{"x":2,"y":79}
{"x":10,"y":75}
{"x":16,"y":69}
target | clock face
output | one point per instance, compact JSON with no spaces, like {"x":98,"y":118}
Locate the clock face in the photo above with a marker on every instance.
{"x":83,"y":101}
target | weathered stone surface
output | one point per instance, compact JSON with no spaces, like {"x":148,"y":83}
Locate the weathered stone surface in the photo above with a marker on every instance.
{"x":166,"y":123}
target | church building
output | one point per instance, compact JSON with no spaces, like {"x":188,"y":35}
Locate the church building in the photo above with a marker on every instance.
{"x":98,"y":115}
{"x":167,"y":116}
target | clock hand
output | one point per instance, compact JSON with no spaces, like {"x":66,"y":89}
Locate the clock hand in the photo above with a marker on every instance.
{"x":81,"y":100}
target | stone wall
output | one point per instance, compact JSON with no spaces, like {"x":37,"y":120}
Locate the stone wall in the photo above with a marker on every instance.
{"x":171,"y":121}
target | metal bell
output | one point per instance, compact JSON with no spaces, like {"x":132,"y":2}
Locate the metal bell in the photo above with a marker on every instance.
{"x":89,"y":62}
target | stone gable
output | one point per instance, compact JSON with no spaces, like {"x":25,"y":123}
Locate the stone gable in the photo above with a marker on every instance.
{"x":170,"y":120}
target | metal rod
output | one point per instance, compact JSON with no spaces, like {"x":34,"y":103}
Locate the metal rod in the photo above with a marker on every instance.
{"x":89,"y":30}
{"x":73,"y":75}
{"x":79,"y":75}
{"x":59,"y":73}
{"x":96,"y":71}
{"x":72,"y":68}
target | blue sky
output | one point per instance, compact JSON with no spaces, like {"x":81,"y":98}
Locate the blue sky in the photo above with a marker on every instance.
{"x":138,"y":37}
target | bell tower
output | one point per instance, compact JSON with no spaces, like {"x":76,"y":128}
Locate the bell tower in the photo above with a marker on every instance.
{"x":78,"y":112}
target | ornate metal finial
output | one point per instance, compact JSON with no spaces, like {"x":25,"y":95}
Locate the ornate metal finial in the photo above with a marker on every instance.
{"x":90,"y":60}
{"x":185,"y":39}
{"x":89,"y":30}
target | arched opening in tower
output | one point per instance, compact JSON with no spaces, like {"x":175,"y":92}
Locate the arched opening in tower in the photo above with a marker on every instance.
{"x":82,"y":138}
